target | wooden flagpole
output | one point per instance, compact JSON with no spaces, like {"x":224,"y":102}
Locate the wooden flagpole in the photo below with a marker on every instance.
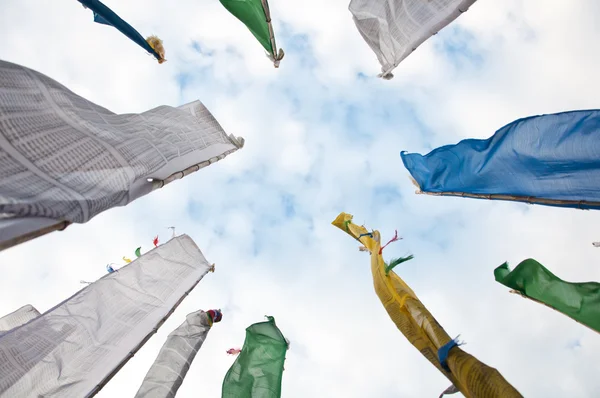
{"x":59,"y":226}
{"x":276,"y":57}
{"x":580,"y":204}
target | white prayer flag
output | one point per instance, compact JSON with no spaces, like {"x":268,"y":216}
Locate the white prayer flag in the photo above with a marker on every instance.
{"x":395,"y":28}
{"x":73,"y":349}
{"x":64,"y":159}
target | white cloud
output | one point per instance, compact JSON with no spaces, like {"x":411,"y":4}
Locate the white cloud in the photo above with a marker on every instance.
{"x":304,"y":140}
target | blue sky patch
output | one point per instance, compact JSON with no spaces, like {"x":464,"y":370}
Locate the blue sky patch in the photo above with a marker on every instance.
{"x":459,"y":47}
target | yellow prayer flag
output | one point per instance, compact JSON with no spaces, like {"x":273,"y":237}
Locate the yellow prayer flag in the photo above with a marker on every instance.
{"x":472,"y":377}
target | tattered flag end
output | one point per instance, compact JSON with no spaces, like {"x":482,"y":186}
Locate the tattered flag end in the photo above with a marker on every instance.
{"x":157,"y":45}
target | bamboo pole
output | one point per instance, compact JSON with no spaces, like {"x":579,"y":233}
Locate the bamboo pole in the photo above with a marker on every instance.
{"x":59,"y":226}
{"x":276,"y":57}
{"x":156,"y":184}
{"x":549,"y":306}
{"x":514,"y":198}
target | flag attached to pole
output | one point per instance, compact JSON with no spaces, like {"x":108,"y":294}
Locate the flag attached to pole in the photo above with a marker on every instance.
{"x":580,"y":301}
{"x":395,"y":28}
{"x":176,"y":356}
{"x":472,"y":377}
{"x":75,"y":348}
{"x":91,"y":160}
{"x":552,"y":160}
{"x":105,"y":16}
{"x":259,"y":367}
{"x":255,"y":14}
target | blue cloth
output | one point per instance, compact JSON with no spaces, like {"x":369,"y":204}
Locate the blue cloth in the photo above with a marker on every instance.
{"x":106,"y":16}
{"x":443,"y":353}
{"x":100,"y":20}
{"x":550,"y":156}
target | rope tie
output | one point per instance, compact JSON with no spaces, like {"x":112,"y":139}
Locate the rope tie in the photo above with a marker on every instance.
{"x":369,"y":234}
{"x":445,"y":350}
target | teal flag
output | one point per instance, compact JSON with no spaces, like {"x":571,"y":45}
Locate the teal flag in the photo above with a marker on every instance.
{"x":257,"y":372}
{"x":580,"y":301}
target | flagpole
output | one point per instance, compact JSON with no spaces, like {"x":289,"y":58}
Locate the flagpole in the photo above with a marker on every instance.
{"x":514,"y":198}
{"x":59,"y":226}
{"x":539,"y":302}
{"x":276,"y":58}
{"x":156,"y":184}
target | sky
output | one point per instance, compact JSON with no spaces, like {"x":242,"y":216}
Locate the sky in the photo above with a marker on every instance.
{"x":323,"y":135}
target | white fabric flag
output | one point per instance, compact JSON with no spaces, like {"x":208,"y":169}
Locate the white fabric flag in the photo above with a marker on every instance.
{"x":66,"y":159}
{"x":73,"y":349}
{"x":395,"y":28}
{"x":18,"y":318}
{"x":175,"y":358}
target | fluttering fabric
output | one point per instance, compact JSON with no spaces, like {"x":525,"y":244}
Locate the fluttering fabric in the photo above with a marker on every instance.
{"x":75,"y":347}
{"x":105,"y":16}
{"x":18,"y":318}
{"x":580,"y":301}
{"x":170,"y":367}
{"x":550,"y":159}
{"x":258,"y":370}
{"x":472,"y":377}
{"x":66,"y":159}
{"x":395,"y":28}
{"x":255,"y":14}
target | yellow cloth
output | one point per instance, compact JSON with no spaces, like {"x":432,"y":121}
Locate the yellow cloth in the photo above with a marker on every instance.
{"x":472,"y":377}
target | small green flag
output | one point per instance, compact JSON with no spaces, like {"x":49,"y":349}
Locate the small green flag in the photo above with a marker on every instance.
{"x":256,"y":16}
{"x":258,"y":370}
{"x":580,"y":301}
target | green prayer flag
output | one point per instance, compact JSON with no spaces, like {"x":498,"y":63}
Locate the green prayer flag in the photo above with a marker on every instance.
{"x":258,"y":370}
{"x":257,"y":19}
{"x":580,"y":301}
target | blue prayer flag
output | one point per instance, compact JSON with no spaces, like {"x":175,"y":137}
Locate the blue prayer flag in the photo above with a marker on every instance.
{"x":549,"y":159}
{"x":106,"y":16}
{"x":98,"y":19}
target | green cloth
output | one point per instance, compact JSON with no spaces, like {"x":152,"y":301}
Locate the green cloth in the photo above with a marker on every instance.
{"x":252,"y":14}
{"x":258,"y":370}
{"x":580,"y":301}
